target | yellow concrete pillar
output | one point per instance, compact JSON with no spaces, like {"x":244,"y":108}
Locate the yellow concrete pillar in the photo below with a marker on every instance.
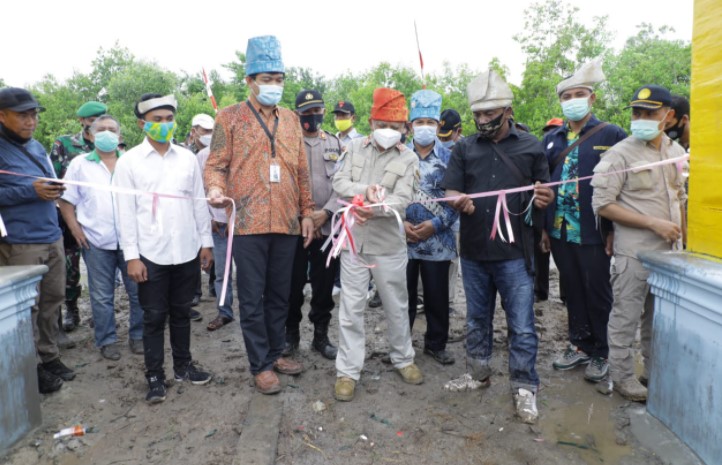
{"x":705,"y":185}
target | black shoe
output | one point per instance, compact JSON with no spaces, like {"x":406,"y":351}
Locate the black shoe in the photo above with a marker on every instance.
{"x":71,"y":319}
{"x":442,"y":356}
{"x":48,"y":382}
{"x":321,"y":343}
{"x":196,"y":315}
{"x":111,"y":352}
{"x":375,"y":301}
{"x":196,"y":301}
{"x":193,"y":374}
{"x":64,"y":341}
{"x":293,"y":340}
{"x":57,"y":368}
{"x":156,"y":390}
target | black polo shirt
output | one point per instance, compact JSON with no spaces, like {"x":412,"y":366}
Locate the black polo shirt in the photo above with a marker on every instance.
{"x":475,"y":167}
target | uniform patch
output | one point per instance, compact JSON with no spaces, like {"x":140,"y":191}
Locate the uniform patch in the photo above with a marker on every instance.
{"x":550,"y":145}
{"x":602,"y":147}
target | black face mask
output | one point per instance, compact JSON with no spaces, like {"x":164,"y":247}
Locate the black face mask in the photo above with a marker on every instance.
{"x":490,"y":129}
{"x":311,"y":123}
{"x":675,"y":132}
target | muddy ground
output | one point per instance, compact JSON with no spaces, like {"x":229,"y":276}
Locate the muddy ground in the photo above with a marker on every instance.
{"x":388,"y":422}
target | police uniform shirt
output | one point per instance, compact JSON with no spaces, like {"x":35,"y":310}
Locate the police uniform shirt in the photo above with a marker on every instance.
{"x":475,"y":167}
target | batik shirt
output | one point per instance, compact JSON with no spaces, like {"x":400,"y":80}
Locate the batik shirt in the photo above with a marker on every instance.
{"x":568,"y":197}
{"x":441,"y":245}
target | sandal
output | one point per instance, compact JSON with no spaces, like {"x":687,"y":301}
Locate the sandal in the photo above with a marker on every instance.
{"x":218,"y":322}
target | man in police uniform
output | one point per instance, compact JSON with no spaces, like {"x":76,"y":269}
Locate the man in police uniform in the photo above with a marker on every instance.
{"x":64,"y":150}
{"x":323,"y":150}
{"x":647,"y":208}
{"x":449,"y":132}
{"x":571,"y":232}
{"x":498,"y":156}
{"x":378,"y":168}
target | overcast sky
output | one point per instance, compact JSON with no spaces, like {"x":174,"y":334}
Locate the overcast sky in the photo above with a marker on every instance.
{"x":328,"y":36}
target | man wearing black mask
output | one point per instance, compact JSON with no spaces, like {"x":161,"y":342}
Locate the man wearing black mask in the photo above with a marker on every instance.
{"x":322,"y":149}
{"x":678,"y":127}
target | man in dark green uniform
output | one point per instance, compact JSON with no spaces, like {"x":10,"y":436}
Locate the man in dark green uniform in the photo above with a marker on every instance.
{"x":65,"y":149}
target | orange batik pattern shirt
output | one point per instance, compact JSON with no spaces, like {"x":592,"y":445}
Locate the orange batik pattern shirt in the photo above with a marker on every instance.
{"x":240,"y":164}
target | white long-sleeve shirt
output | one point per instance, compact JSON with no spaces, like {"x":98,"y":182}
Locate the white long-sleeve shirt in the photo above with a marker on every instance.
{"x":181,"y":226}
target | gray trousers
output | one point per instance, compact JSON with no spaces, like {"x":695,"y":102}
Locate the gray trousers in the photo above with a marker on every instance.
{"x":633,"y":302}
{"x":389,"y":274}
{"x":51,"y":292}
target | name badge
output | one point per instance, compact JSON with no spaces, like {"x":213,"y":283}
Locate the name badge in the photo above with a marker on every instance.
{"x":275,"y":173}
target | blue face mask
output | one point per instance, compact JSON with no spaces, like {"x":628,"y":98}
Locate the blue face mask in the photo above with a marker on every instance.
{"x":449,"y":144}
{"x":576,"y":109}
{"x":269,"y":95}
{"x":106,"y":141}
{"x":645,"y":129}
{"x":424,"y":135}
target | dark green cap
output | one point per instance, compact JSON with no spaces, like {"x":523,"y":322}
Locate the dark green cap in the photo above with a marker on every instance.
{"x":89,"y":109}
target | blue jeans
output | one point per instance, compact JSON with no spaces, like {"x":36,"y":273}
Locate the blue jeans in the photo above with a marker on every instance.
{"x":101,"y":284}
{"x":220,"y":247}
{"x":482,"y":280}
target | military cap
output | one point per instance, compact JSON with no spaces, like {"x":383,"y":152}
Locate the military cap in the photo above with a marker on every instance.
{"x":263,"y":55}
{"x":91,"y":108}
{"x":344,"y":106}
{"x":651,"y":97}
{"x":18,"y":100}
{"x":307,"y":99}
{"x":450,"y":121}
{"x":425,"y":104}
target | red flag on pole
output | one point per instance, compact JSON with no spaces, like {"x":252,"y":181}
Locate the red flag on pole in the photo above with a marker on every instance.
{"x":421,"y":59}
{"x":207,"y":82}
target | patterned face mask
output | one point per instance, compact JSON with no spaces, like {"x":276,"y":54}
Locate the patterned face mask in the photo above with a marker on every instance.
{"x":160,"y":132}
{"x":490,"y":129}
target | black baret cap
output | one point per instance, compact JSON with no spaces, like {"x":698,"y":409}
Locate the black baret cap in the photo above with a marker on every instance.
{"x":18,"y":100}
{"x":344,"y":106}
{"x":449,"y":122}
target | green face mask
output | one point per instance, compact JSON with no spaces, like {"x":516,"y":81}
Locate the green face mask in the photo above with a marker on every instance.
{"x":160,"y":132}
{"x":343,"y":125}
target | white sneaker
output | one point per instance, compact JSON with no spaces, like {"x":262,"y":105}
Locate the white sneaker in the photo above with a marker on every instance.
{"x":525,"y":404}
{"x":465,"y":383}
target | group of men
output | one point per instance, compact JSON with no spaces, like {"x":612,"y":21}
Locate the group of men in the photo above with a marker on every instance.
{"x":285,"y":178}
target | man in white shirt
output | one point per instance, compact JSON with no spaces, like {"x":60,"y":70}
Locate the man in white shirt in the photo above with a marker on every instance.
{"x":90,"y":217}
{"x":161,"y":237}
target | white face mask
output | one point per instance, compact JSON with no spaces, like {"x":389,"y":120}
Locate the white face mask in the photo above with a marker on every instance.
{"x":205,"y":139}
{"x":387,"y":137}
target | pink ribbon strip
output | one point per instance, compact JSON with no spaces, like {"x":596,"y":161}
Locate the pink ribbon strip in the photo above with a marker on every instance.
{"x":156,"y":196}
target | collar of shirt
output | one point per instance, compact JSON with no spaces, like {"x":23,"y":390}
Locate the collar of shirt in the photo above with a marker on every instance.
{"x":80,"y":141}
{"x":93,"y":156}
{"x":146,"y":149}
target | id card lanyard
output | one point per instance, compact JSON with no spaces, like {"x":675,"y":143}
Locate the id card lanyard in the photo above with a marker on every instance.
{"x":275,"y":173}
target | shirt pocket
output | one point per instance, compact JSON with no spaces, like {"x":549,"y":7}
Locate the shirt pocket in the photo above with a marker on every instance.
{"x":392,"y":173}
{"x":639,"y":179}
{"x":329,"y":162}
{"x":357,"y":167}
{"x":183,"y":182}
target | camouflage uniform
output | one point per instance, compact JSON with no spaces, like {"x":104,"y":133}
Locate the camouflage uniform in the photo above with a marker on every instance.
{"x":65,"y":149}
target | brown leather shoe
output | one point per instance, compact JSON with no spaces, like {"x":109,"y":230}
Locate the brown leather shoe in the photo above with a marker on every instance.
{"x":288,"y":366}
{"x":267,"y":382}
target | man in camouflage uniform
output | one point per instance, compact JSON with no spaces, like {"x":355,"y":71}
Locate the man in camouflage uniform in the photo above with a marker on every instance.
{"x":65,"y":149}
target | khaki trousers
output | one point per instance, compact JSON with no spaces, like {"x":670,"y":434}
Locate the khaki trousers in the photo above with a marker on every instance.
{"x":51,"y":292}
{"x":633,"y":302}
{"x":389,"y":273}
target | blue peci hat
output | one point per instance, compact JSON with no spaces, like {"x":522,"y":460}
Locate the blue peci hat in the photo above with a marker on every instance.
{"x":425,"y":104}
{"x":263,"y":55}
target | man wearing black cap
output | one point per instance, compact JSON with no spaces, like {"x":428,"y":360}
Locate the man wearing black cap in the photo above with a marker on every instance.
{"x":323,"y":150}
{"x":344,"y":118}
{"x":646,"y":206}
{"x":64,"y":150}
{"x":27,"y":207}
{"x":449,"y":131}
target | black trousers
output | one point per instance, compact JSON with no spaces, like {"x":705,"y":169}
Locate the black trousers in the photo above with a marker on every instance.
{"x":435,"y":280}
{"x":541,"y":270}
{"x":167,"y":295}
{"x":310,"y":264}
{"x":585,"y":271}
{"x":264,"y":265}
